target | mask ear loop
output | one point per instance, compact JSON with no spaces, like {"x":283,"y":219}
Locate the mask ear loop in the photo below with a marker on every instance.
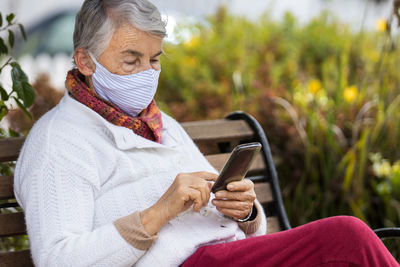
{"x":93,"y":58}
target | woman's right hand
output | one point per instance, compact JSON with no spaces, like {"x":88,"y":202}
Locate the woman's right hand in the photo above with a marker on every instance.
{"x":187,"y":189}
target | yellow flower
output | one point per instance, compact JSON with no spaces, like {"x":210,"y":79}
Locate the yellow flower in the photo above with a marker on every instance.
{"x":350,"y":94}
{"x":314,"y":86}
{"x":385,"y":169}
{"x":396,"y":166}
{"x":192,"y":43}
{"x":382,"y":169}
{"x":191,"y":61}
{"x":381,"y":25}
{"x":374,"y":56}
{"x":295,"y":83}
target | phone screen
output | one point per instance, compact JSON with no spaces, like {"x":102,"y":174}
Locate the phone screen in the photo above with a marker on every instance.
{"x":237,"y":166}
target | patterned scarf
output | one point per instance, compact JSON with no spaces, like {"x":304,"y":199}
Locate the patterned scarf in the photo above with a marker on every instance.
{"x":147,"y":124}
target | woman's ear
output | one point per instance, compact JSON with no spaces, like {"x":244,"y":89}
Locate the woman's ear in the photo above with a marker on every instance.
{"x":83,"y":61}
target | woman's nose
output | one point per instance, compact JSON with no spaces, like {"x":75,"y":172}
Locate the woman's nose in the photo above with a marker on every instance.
{"x":145,"y":66}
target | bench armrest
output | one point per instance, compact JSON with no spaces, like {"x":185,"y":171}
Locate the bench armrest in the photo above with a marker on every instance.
{"x":387,"y":232}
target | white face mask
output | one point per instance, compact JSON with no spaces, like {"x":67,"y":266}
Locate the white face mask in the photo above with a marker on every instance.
{"x":131,"y":93}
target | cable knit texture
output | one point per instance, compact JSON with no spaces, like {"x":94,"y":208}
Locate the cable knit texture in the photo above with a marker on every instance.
{"x":78,"y":174}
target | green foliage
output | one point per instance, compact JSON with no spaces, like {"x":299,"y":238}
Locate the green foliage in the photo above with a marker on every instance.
{"x":327,"y":98}
{"x":23,"y":95}
{"x":22,"y":92}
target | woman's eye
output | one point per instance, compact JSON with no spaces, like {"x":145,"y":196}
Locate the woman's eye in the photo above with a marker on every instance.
{"x":135,"y":62}
{"x":154,"y":61}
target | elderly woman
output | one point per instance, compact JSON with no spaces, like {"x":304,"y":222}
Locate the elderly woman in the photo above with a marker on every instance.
{"x":107,"y":179}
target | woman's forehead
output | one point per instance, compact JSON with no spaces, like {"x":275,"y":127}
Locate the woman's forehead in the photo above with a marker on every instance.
{"x":129,"y":38}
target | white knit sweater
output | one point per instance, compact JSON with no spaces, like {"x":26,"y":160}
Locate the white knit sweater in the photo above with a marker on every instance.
{"x":78,"y":173}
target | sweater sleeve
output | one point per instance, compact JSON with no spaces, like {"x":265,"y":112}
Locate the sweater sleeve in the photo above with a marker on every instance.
{"x":131,"y":229}
{"x":257,"y":226}
{"x":56,"y":181}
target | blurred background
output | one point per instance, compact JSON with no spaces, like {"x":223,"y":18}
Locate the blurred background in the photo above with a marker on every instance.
{"x":321,"y":76}
{"x":49,"y":24}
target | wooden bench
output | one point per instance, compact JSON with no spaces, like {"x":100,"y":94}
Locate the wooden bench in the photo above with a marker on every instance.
{"x":215,"y":138}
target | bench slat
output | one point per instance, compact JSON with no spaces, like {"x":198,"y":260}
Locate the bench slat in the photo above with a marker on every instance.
{"x":6,"y":187}
{"x":217,"y":130}
{"x":272,"y":225}
{"x":263,"y":192}
{"x":10,"y":147}
{"x":12,"y":224}
{"x":16,"y":259}
{"x":218,"y":161}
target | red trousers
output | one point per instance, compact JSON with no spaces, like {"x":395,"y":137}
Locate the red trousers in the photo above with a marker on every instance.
{"x":335,"y":241}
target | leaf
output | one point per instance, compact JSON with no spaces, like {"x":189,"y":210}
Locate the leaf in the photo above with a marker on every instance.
{"x":357,"y":210}
{"x":18,"y":74}
{"x":18,"y":78}
{"x":29,"y":93}
{"x":3,"y":109}
{"x":15,"y":64}
{"x":22,"y":29}
{"x":10,"y":17}
{"x":350,"y":168}
{"x":1,"y":20}
{"x":3,"y":47}
{"x":21,"y":106}
{"x":11,"y":38}
{"x":3,"y":93}
{"x":12,"y":133}
{"x":21,"y":86}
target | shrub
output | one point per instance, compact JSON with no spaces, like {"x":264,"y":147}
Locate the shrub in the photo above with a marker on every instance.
{"x":326,"y":96}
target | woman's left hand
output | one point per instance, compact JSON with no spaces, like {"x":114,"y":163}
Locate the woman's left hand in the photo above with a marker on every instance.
{"x":236,"y":202}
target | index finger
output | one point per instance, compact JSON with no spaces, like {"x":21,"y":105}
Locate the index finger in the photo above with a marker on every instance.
{"x":208,"y":176}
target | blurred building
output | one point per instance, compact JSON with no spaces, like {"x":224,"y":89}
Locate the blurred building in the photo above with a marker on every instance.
{"x":352,"y":11}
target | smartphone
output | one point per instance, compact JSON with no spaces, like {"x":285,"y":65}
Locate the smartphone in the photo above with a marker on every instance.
{"x":238,"y":164}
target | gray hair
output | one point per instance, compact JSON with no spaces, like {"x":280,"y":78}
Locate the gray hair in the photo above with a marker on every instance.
{"x":97,"y":20}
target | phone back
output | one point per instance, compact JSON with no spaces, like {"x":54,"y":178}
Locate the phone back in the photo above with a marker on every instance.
{"x":237,"y":165}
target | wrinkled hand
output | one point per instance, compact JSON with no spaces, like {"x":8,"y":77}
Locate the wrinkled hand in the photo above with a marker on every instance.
{"x":236,"y":202}
{"x":187,"y":189}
